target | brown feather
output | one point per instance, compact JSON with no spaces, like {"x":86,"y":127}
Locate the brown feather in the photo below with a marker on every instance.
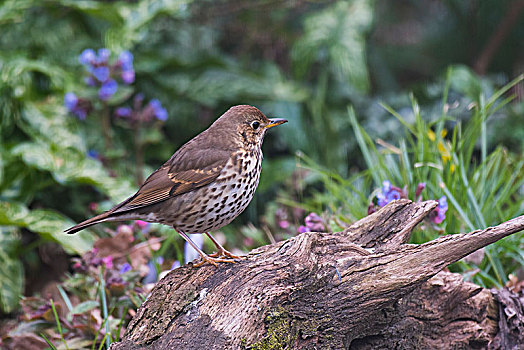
{"x":176,"y":177}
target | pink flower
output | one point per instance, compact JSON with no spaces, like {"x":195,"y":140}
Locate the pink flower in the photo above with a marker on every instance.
{"x":314,"y":223}
{"x":124,"y":229}
{"x":283,"y":224}
{"x":302,"y":229}
{"x":93,"y":206}
{"x":142,"y":225}
{"x":108,"y":261}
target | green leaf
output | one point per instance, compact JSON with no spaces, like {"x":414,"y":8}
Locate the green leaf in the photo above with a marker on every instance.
{"x":335,"y":37}
{"x":50,"y":123}
{"x":48,"y":224}
{"x":71,"y":166}
{"x":11,"y":271}
{"x":84,"y":307}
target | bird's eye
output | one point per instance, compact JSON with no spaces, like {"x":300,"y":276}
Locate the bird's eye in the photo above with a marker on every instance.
{"x":255,"y":125}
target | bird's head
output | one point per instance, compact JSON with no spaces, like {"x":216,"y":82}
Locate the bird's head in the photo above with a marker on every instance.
{"x":248,"y":124}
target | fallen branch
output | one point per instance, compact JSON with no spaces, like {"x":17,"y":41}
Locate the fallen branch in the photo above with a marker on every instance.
{"x":360,"y":288}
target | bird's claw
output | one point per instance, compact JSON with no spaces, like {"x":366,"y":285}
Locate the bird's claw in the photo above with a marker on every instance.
{"x":212,"y":260}
{"x":226,"y":253}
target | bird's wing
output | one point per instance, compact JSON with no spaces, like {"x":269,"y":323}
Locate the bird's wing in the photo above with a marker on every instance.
{"x":178,"y":175}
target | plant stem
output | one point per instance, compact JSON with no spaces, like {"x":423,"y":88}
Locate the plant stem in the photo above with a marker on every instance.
{"x":106,"y":128}
{"x":139,"y":150}
{"x":104,"y":309}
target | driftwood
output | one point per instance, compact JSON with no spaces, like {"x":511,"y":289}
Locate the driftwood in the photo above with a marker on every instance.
{"x":363,"y":288}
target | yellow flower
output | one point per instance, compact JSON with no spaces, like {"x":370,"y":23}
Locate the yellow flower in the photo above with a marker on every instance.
{"x":432,"y":136}
{"x":443,"y":148}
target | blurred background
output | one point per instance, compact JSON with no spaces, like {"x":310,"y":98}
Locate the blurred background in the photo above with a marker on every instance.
{"x":385,"y":99}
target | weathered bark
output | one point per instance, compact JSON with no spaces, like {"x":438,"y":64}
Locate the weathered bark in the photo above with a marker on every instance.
{"x":362,"y":288}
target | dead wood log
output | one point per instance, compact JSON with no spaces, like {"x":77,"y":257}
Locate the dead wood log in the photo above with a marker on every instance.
{"x":362,"y":288}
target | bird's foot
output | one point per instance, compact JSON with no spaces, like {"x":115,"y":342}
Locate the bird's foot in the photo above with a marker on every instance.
{"x":212,"y":260}
{"x":226,"y":253}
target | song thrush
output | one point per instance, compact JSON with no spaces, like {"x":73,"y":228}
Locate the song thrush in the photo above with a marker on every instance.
{"x":205,"y":184}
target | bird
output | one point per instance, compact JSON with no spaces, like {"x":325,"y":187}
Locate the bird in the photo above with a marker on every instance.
{"x":205,"y":184}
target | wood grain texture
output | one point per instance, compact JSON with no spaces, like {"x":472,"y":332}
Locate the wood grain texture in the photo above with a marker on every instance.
{"x":361,"y":288}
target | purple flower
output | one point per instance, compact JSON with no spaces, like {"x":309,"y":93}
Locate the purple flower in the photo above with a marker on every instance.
{"x":101,"y":73}
{"x":89,"y":81}
{"x":103,"y":55}
{"x":302,"y":229}
{"x":107,"y":90}
{"x":128,"y":76}
{"x":440,"y":210}
{"x":87,"y":57}
{"x":387,"y":194}
{"x":70,"y":101}
{"x":420,"y":187}
{"x":155,"y":104}
{"x":123,"y":112}
{"x":80,"y":113}
{"x":125,"y":268}
{"x":175,"y":264}
{"x":126,"y":60}
{"x":314,"y":223}
{"x":159,"y":112}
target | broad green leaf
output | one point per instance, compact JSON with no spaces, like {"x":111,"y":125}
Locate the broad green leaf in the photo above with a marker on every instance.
{"x":49,"y":123}
{"x":11,"y":271}
{"x":68,"y":165}
{"x":48,"y":224}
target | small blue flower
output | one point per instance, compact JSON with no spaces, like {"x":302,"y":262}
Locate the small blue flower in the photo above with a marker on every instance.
{"x":128,"y":76}
{"x":87,"y":57}
{"x":107,"y":89}
{"x":89,"y":81}
{"x":103,"y":55}
{"x":441,"y":210}
{"x":92,"y":154}
{"x":392,"y":195}
{"x":101,"y":73}
{"x":126,"y":60}
{"x":386,"y":186}
{"x":70,"y":101}
{"x":161,"y":114}
{"x":154,"y":103}
{"x":159,"y":111}
{"x":125,"y":268}
{"x":387,"y":194}
{"x":80,"y":113}
{"x":123,"y":112}
{"x":443,"y":203}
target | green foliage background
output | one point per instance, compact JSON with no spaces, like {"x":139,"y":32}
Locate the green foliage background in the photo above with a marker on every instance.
{"x":305,"y":61}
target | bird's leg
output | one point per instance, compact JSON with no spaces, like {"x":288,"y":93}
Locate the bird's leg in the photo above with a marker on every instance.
{"x":221,"y":251}
{"x":204,"y":256}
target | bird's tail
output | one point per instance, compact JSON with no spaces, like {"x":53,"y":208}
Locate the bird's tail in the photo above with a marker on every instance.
{"x":90,"y":222}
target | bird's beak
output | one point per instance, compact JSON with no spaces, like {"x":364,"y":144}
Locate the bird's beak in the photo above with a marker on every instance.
{"x":275,"y":122}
